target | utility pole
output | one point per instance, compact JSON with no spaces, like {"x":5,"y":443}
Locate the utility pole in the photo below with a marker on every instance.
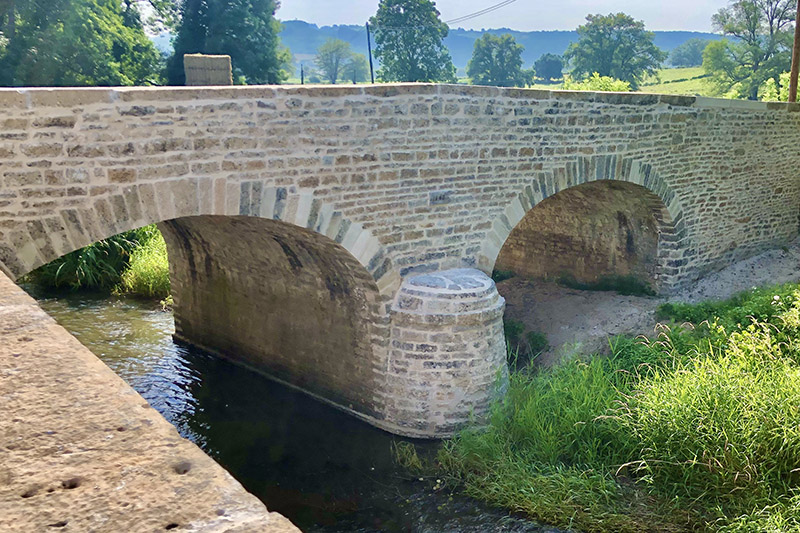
{"x":369,"y":47}
{"x":795,"y":57}
{"x":302,"y":75}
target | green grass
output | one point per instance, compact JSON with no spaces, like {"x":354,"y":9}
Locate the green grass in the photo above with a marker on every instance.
{"x":691,"y":80}
{"x":669,"y":75}
{"x":134,"y":263}
{"x":147,"y":274}
{"x":94,"y":267}
{"x":697,"y":429}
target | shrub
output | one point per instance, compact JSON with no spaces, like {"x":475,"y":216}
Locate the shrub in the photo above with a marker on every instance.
{"x":501,"y":275}
{"x":522,"y":347}
{"x":596,"y":82}
{"x":537,"y":342}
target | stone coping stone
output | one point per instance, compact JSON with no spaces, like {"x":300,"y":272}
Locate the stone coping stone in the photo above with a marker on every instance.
{"x":27,"y":97}
{"x":81,"y":451}
{"x":447,"y":284}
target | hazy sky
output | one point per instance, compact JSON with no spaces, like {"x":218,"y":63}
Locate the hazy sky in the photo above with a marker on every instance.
{"x":523,"y":15}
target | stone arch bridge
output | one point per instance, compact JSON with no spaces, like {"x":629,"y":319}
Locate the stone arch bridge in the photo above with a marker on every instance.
{"x":339,"y":238}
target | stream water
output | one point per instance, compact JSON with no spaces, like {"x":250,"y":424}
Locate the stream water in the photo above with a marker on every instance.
{"x":324,"y":470}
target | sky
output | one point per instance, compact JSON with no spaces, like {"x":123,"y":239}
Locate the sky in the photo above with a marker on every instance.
{"x":523,"y":15}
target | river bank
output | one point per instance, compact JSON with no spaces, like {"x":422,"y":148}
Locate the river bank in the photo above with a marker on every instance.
{"x":582,"y":321}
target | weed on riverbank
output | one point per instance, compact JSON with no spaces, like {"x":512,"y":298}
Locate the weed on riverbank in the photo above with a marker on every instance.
{"x":697,"y":429}
{"x":148,"y":272}
{"x":133,"y":263}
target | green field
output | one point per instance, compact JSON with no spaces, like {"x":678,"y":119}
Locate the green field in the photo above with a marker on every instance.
{"x":690,"y":80}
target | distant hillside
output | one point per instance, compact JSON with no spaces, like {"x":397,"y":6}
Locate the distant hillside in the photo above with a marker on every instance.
{"x":303,"y":39}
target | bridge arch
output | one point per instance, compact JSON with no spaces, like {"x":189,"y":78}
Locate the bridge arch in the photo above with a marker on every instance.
{"x":48,"y":238}
{"x":642,"y":181}
{"x":270,"y":277}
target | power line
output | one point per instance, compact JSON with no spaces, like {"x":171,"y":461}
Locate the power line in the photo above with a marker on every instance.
{"x":489,"y":9}
{"x":457,"y":20}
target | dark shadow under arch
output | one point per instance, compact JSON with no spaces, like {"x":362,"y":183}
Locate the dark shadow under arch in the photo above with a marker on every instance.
{"x":593,"y":233}
{"x":281,"y":299}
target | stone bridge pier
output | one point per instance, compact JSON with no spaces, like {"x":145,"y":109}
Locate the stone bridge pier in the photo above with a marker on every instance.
{"x":340,"y":238}
{"x":297,"y":305}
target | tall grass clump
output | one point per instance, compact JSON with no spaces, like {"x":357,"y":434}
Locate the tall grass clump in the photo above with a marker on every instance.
{"x":98,"y":266}
{"x":134,"y":262}
{"x":147,"y":274}
{"x":697,"y":429}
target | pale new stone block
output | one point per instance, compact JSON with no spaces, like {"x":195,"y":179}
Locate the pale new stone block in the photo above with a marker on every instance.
{"x":220,"y":206}
{"x":269,"y":196}
{"x":354,"y":232}
{"x":304,"y":202}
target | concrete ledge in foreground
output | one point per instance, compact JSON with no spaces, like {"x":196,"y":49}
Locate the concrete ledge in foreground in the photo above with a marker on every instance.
{"x":81,"y":451}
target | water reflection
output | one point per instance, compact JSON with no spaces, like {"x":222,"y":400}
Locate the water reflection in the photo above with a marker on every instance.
{"x":322,"y":468}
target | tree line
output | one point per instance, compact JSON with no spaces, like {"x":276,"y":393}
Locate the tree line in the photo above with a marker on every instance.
{"x":104,"y":42}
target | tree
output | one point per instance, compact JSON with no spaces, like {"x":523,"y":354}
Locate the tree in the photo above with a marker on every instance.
{"x":761,"y":48}
{"x":408,"y":42}
{"x":356,"y":69}
{"x":689,"y":54}
{"x":75,"y":43}
{"x":498,"y":61}
{"x":246,"y":30}
{"x":549,"y":67}
{"x":775,"y":91}
{"x":614,"y":45}
{"x":332,"y":57}
{"x":311,"y":74}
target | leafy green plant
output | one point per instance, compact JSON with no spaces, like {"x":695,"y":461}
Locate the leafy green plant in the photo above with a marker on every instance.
{"x":97,"y":266}
{"x":596,"y":82}
{"x":537,"y":342}
{"x":502,"y":275}
{"x":405,"y":455}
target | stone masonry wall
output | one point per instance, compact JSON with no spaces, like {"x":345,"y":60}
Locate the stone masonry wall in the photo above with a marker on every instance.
{"x":586,"y":233}
{"x":437,"y":175}
{"x":448,"y":351}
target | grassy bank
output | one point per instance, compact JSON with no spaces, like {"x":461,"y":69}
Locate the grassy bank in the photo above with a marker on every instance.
{"x":133,"y":263}
{"x":697,"y":429}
